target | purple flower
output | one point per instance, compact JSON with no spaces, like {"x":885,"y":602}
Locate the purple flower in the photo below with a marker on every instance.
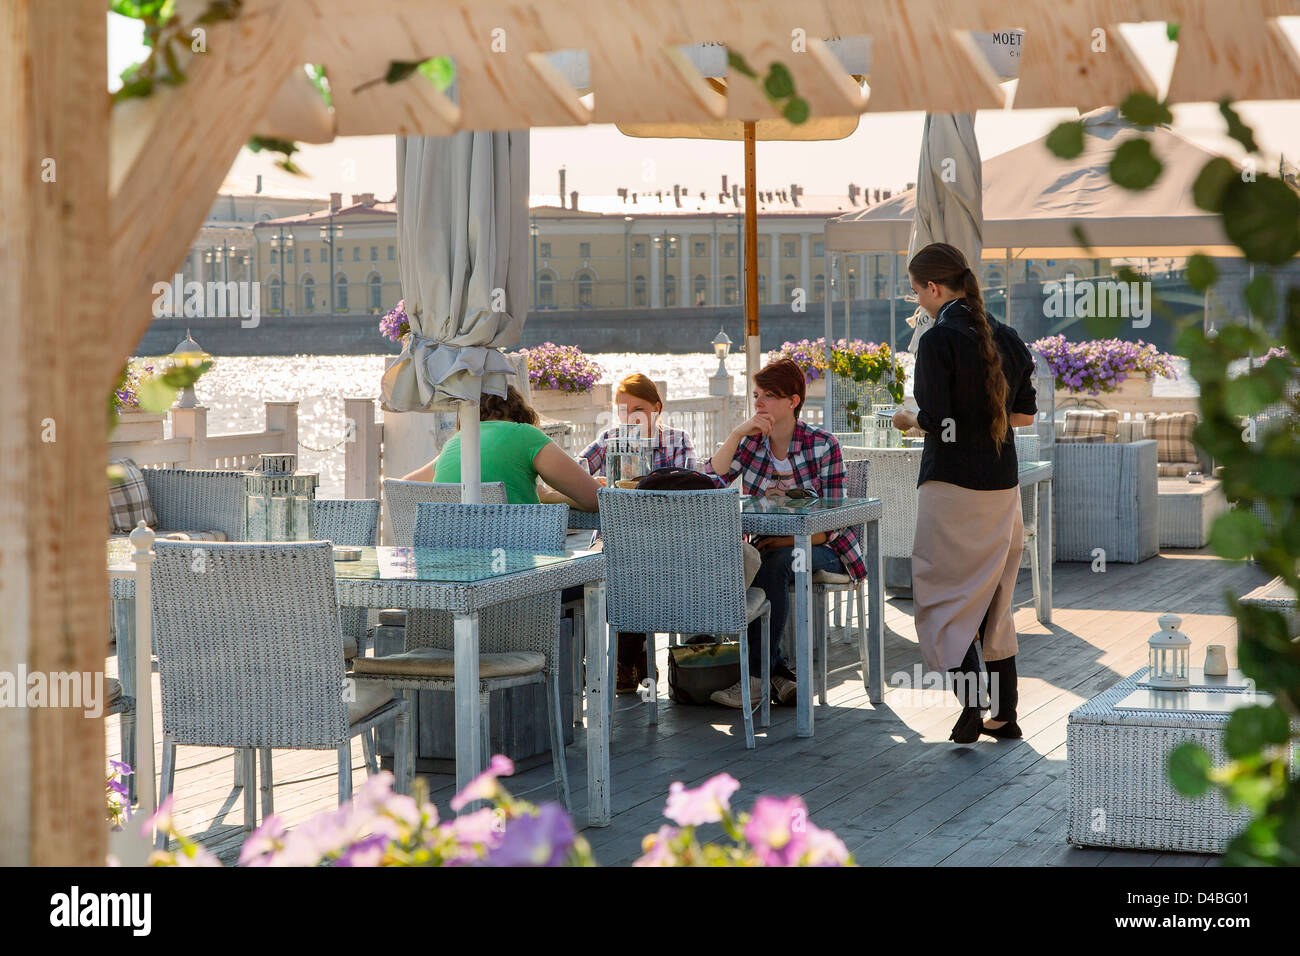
{"x":484,"y":786}
{"x":778,"y":830}
{"x":705,"y":804}
{"x":541,"y":840}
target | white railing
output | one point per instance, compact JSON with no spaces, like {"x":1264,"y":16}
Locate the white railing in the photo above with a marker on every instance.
{"x":139,"y":437}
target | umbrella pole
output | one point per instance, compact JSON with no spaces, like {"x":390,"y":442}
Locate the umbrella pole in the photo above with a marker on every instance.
{"x":752,"y":347}
{"x":471,"y":491}
{"x":893,"y":307}
{"x":828,"y":420}
{"x":1008,"y":295}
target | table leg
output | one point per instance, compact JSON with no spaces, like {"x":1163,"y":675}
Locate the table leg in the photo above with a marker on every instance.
{"x":469,"y":762}
{"x":1044,"y":545}
{"x":598,"y":689}
{"x":803,"y":632}
{"x":874,"y":658}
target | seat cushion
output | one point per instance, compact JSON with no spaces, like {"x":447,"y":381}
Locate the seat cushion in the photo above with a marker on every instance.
{"x":754,"y":598}
{"x":349,"y":647}
{"x":1176,"y":469}
{"x":753,"y":561}
{"x":1081,"y":439}
{"x":831,"y":577}
{"x":1173,"y":436}
{"x":128,"y":499}
{"x":437,"y":662}
{"x":371,"y":695}
{"x":1086,"y":422}
{"x":112,"y":691}
{"x":178,"y":536}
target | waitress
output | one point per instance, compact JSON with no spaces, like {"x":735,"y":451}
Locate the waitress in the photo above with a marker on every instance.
{"x":974,"y":383}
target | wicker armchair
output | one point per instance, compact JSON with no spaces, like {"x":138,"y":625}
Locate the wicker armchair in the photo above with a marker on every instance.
{"x":519,"y":641}
{"x":1106,"y":496}
{"x":401,"y":498}
{"x":193,"y":500}
{"x":250,"y":656}
{"x":353,"y":522}
{"x":688,"y":582}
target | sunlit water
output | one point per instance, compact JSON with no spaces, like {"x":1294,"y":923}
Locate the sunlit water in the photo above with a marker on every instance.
{"x":235,"y":388}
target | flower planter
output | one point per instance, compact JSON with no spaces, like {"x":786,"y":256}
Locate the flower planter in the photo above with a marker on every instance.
{"x":138,"y":426}
{"x":817,"y":388}
{"x":1133,"y":387}
{"x":550,"y":399}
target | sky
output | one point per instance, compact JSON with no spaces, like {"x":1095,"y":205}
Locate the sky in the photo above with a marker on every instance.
{"x":882,"y":153}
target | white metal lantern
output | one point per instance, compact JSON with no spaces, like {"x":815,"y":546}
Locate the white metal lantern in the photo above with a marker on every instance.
{"x":1169,"y":655}
{"x":278,"y":501}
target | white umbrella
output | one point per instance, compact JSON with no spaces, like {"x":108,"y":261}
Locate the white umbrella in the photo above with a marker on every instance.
{"x":462,"y":228}
{"x":949,"y":198}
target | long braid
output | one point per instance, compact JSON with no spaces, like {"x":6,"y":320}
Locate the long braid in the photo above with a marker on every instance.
{"x":945,"y":265}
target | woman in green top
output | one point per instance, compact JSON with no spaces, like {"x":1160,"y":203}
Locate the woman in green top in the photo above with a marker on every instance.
{"x":516,"y":452}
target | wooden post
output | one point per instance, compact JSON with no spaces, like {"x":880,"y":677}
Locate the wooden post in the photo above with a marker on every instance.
{"x":192,"y":423}
{"x":361,"y":449}
{"x":283,"y":417}
{"x":53,"y":446}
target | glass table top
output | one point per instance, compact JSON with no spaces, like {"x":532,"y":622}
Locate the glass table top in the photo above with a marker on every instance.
{"x":447,"y":565}
{"x":807,"y":506}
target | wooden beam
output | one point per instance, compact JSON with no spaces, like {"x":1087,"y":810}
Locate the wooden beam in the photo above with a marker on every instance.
{"x":1227,"y":52}
{"x":53,"y":586}
{"x":172,"y":151}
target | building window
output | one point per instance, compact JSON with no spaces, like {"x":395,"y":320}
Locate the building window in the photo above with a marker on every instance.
{"x":670,"y":291}
{"x":341,"y":292}
{"x":584,"y":289}
{"x":584,"y":250}
{"x":762,"y":247}
{"x":819,"y":287}
{"x":545,"y":250}
{"x":374,"y":253}
{"x":788,"y":289}
{"x":309,"y":294}
{"x":546,"y":290}
{"x":819,"y":248}
{"x":762,"y":287}
{"x":729,"y":250}
{"x":275,"y":257}
{"x":306,"y":254}
{"x":376,"y":292}
{"x":789,"y":250}
{"x":356,"y":253}
{"x":853,"y":285}
{"x":730,"y":293}
{"x":392,"y":253}
{"x":638,"y":249}
{"x":288,"y":256}
{"x":701,"y":291}
{"x":638,"y":291}
{"x":275,"y":294}
{"x":701,"y":250}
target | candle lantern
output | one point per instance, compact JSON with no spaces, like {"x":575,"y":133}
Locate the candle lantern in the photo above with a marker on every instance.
{"x":1169,"y":652}
{"x":278,"y":501}
{"x":627,"y":454}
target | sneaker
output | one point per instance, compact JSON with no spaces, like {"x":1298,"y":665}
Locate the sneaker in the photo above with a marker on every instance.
{"x":731,"y":697}
{"x":784,"y":690}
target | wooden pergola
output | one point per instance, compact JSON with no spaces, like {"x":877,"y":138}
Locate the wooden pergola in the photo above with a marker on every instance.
{"x":97,"y":203}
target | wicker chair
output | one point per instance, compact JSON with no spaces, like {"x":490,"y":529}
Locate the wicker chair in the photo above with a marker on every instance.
{"x":197,"y":500}
{"x":688,"y":582}
{"x":353,"y":522}
{"x":401,"y":498}
{"x":250,"y":656}
{"x":1106,"y":496}
{"x":826,"y":583}
{"x":519,"y":641}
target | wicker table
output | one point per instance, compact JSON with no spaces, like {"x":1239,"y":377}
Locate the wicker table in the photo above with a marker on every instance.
{"x":464,"y":581}
{"x":1120,"y":794}
{"x":761,"y":516}
{"x":1187,"y":511}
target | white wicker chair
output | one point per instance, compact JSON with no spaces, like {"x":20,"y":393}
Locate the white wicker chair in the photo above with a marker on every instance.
{"x":519,"y":640}
{"x":402,"y":498}
{"x":826,"y":583}
{"x":355,"y":522}
{"x":690,"y":581}
{"x":250,"y":656}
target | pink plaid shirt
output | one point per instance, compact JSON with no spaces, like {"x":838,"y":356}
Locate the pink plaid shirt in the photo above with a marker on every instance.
{"x":815,"y":459}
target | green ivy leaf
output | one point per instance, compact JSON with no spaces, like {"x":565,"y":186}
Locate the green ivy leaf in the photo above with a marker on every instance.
{"x":1248,"y":394}
{"x":1189,"y":769}
{"x":137,"y":9}
{"x":779,"y":84}
{"x":320,"y":80}
{"x":1134,"y":166}
{"x":1171,"y":31}
{"x":1261,"y":297}
{"x":1262,"y":218}
{"x":1252,"y":728}
{"x":1080,"y":237}
{"x":399,"y":70}
{"x":737,"y":62}
{"x":1207,"y":191}
{"x":1066,"y":140}
{"x":1201,"y":272}
{"x":1237,"y":129}
{"x":796,"y":110}
{"x":1143,"y":109}
{"x":1236,"y":534}
{"x":440,"y":71}
{"x":155,"y":395}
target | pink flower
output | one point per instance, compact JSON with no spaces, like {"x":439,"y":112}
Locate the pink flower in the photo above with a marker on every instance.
{"x":705,"y":804}
{"x":484,"y":786}
{"x":655,"y":848}
{"x":778,"y":830}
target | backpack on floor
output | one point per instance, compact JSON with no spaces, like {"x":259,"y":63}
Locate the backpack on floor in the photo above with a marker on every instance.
{"x":696,"y":670}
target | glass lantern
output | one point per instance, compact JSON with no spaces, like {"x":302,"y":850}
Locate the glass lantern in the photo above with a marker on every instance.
{"x":1169,"y":655}
{"x":627,"y":454}
{"x":278,"y":501}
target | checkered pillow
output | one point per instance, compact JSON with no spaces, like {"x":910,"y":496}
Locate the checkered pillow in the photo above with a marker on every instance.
{"x":1079,"y":422}
{"x":128,"y":500}
{"x":1173,"y":435}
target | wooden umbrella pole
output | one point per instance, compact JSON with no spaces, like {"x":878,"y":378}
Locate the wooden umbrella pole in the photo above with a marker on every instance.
{"x":752,"y":348}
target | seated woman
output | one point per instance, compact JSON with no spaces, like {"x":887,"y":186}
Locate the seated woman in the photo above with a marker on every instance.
{"x":639,"y":403}
{"x":515,"y":451}
{"x":771,"y":452}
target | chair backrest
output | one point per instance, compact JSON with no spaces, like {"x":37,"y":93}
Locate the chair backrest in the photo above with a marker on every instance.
{"x":350,"y":521}
{"x":186,"y":499}
{"x":527,"y":624}
{"x":250,"y":653}
{"x":401,"y":498}
{"x":673,"y":561}
{"x":856,"y":472}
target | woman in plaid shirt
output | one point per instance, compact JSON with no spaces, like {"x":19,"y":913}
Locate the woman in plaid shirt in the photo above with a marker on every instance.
{"x":774,"y":451}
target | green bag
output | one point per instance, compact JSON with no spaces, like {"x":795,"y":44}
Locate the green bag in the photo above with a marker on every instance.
{"x":696,"y":670}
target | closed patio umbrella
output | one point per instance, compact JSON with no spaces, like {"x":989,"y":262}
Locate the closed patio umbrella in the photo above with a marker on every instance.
{"x":462,"y":227}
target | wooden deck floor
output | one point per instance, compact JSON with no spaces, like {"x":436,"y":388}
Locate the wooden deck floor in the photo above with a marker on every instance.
{"x":884,"y":778}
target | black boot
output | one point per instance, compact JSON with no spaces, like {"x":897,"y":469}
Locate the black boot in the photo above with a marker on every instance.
{"x":966,"y":685}
{"x":1004,"y":692}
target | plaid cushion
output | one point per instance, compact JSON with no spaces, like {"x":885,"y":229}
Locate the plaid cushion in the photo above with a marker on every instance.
{"x":1173,"y":435}
{"x":1080,"y":422}
{"x":128,"y":500}
{"x":1176,"y":469}
{"x":1098,"y":438}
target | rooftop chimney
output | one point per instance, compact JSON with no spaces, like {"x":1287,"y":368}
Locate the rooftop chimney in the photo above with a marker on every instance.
{"x":877,"y":195}
{"x":622,"y":193}
{"x":853,"y":193}
{"x":886,"y":194}
{"x":724,"y":183}
{"x":795,"y":192}
{"x":259,"y":183}
{"x":574,"y":197}
{"x":561,"y":187}
{"x":677,"y":196}
{"x":336,"y":200}
{"x":735,"y":194}
{"x":365,"y":199}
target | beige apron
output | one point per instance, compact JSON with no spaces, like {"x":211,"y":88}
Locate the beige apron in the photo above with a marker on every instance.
{"x":964,"y":562}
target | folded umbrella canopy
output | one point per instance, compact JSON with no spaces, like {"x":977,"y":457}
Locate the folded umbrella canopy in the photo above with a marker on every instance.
{"x":462,"y":228}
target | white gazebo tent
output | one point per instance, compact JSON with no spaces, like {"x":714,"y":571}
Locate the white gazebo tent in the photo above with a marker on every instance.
{"x":1034,"y":202}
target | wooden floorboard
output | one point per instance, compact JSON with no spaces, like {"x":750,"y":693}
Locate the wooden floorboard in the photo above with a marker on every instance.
{"x":883,"y":777}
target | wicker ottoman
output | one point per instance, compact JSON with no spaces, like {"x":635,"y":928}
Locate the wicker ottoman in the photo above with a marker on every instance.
{"x":1120,"y":794}
{"x":1187,"y":511}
